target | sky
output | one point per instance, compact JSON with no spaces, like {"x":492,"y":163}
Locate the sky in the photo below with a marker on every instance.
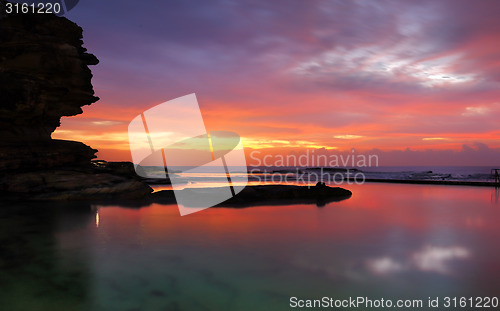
{"x":416,"y":82}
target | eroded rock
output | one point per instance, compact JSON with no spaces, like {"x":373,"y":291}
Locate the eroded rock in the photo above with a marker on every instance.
{"x":44,"y":75}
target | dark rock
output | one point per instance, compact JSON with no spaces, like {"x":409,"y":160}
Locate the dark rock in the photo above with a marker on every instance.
{"x":125,"y":169}
{"x":71,"y":185}
{"x":44,"y":76}
{"x":36,"y":155}
{"x":267,"y":194}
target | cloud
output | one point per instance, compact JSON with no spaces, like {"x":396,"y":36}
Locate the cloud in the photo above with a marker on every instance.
{"x":396,"y":74}
{"x":106,"y":122}
{"x":347,"y":136}
{"x":474,"y":111}
{"x":434,"y":138}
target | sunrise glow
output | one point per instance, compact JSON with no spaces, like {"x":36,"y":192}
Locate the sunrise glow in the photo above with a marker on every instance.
{"x":422,"y":77}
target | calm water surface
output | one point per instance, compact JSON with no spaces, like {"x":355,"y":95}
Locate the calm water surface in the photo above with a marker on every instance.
{"x":387,"y":241}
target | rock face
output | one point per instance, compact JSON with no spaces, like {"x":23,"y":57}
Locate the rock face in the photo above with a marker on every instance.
{"x":44,"y":76}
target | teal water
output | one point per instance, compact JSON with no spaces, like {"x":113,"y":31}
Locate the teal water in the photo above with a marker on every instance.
{"x":387,"y":241}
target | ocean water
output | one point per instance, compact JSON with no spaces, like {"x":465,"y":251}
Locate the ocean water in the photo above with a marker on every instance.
{"x":454,"y":173}
{"x":304,"y":174}
{"x":333,"y":176}
{"x":391,"y":241}
{"x":441,"y":173}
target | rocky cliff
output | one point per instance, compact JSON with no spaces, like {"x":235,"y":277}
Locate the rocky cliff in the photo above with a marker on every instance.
{"x":44,"y":75}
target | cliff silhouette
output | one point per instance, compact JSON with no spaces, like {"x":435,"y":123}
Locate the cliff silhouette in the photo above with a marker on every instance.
{"x":45,"y":75}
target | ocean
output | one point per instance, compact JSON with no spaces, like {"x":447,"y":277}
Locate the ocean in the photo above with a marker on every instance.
{"x":260,"y":175}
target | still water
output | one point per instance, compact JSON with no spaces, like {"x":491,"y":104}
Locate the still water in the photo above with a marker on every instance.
{"x":387,"y":241}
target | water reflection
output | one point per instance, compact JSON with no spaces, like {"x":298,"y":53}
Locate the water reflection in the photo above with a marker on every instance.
{"x":494,"y":195}
{"x":41,"y":269}
{"x":391,"y":241}
{"x":429,"y":259}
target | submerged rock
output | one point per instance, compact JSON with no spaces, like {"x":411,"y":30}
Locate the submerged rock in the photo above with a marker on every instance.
{"x":44,"y":75}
